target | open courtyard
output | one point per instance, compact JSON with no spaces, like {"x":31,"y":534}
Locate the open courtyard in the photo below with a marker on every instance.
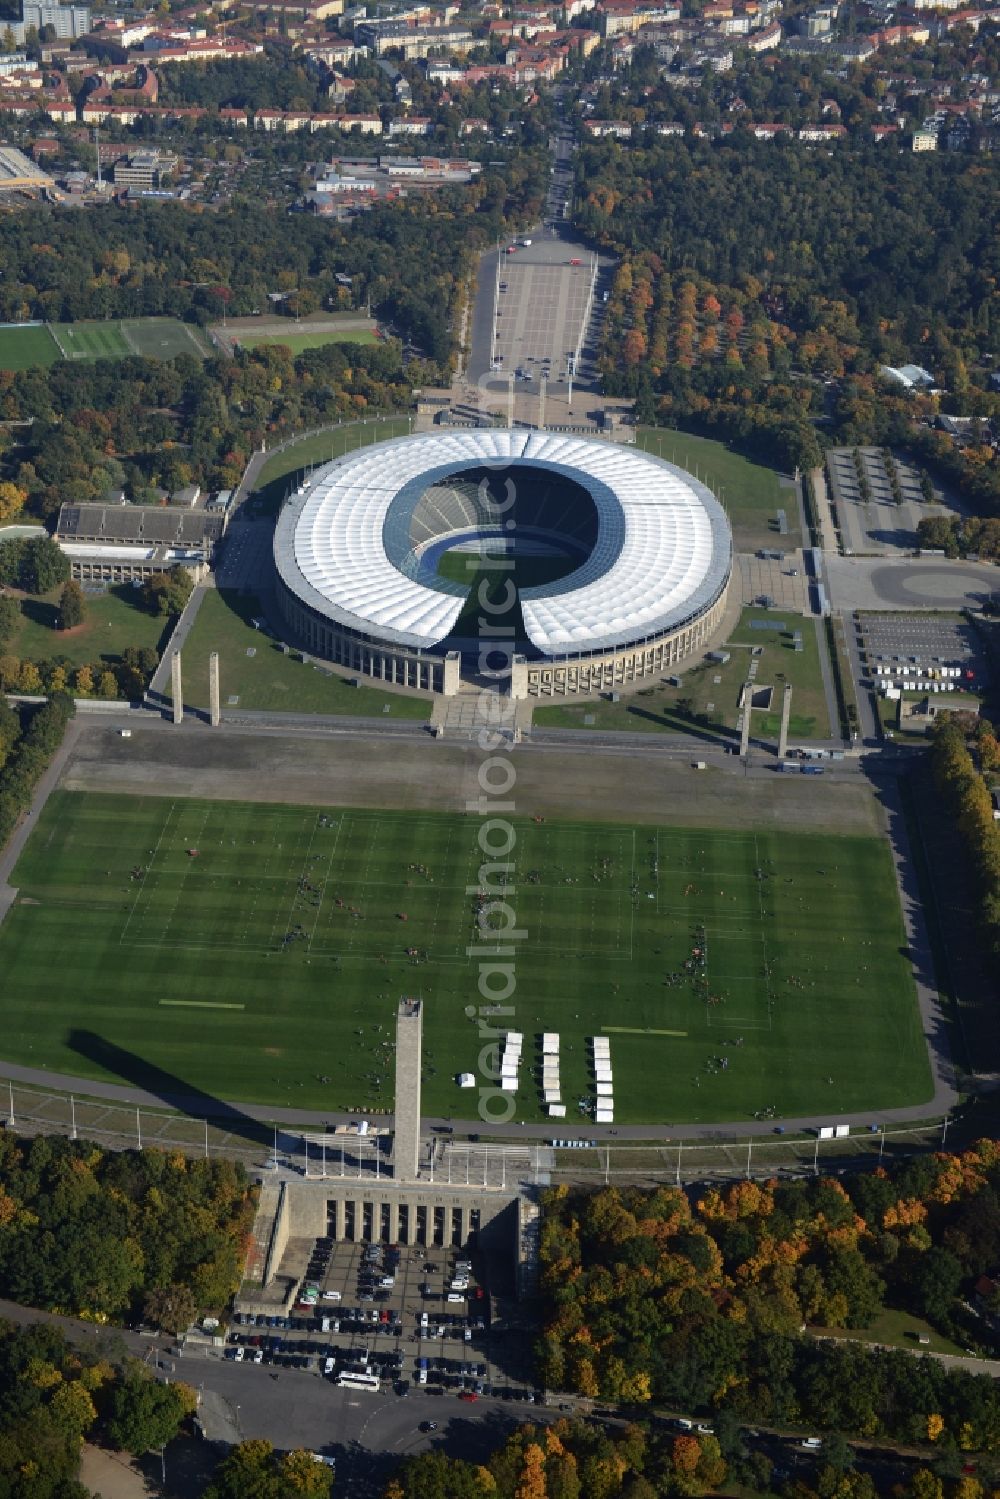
{"x":257,"y":952}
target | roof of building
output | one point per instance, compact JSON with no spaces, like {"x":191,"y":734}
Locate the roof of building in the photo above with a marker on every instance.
{"x":151,"y":524}
{"x":663,"y":547}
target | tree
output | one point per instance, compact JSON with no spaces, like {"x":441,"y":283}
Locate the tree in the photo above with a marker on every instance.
{"x":146,"y":1414}
{"x":838,"y":1453}
{"x":43,"y":566}
{"x":10,"y":618}
{"x":253,"y":1470}
{"x":167,"y":593}
{"x":72,"y":605}
{"x":171,"y":1307}
{"x":12,"y":499}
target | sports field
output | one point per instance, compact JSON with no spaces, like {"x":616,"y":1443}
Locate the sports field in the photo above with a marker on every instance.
{"x":154,"y":338}
{"x":26,"y":348}
{"x":299,"y":342}
{"x":258,"y":951}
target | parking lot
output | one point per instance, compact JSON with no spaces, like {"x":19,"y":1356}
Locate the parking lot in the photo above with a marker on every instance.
{"x":921,"y":642}
{"x":409,"y":1317}
{"x":871,"y":522}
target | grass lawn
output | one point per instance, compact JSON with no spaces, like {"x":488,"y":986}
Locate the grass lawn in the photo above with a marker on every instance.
{"x":895,"y":1328}
{"x":298,"y":342}
{"x":284,"y":466}
{"x":113,"y":620}
{"x":27,"y":348}
{"x":707,"y":705}
{"x":688,"y":947}
{"x":750,"y":492}
{"x":269,"y":678}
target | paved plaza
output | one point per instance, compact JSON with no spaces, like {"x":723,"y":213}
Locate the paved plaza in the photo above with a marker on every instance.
{"x":542,"y":300}
{"x":910,"y":583}
{"x":784,"y":582}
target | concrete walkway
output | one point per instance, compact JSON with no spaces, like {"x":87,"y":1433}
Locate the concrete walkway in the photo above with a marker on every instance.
{"x":826,"y":673}
{"x":827,"y":529}
{"x":159,"y":687}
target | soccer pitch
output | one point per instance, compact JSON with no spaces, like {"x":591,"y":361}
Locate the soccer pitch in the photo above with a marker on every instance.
{"x":257,"y":952}
{"x":27,"y":347}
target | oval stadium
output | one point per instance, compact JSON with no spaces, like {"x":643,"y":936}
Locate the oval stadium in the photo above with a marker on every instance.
{"x":600,"y":564}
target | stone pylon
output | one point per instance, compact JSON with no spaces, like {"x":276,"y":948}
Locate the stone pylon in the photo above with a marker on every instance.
{"x":176,"y":690}
{"x":214,"y":708}
{"x":786,"y":713}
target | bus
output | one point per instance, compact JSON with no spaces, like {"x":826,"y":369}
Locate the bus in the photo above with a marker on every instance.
{"x":349,"y":1379}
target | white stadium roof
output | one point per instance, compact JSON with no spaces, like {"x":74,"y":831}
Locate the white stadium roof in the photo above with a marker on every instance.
{"x":662,"y":555}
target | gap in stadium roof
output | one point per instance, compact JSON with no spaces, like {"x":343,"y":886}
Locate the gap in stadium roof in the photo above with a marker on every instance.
{"x":471,"y":531}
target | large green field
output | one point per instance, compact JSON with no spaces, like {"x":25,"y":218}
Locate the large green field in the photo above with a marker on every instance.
{"x":258,"y":952}
{"x":112,"y":620}
{"x":298,"y":342}
{"x":287,"y":464}
{"x":254,"y":669}
{"x":751,"y":493}
{"x":27,"y":348}
{"x":707,"y":700}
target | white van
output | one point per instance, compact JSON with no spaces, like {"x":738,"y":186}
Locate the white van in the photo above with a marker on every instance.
{"x":454,"y":1297}
{"x":324,"y":1325}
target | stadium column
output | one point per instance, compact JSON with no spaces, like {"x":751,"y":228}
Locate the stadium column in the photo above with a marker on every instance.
{"x":175,"y":687}
{"x":510,"y":401}
{"x":215,"y":712}
{"x":786,"y":710}
{"x":541,"y":404}
{"x":747,"y":712}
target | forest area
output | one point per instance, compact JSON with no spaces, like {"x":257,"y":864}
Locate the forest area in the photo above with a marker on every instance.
{"x":763,"y":283}
{"x":704,"y":1302}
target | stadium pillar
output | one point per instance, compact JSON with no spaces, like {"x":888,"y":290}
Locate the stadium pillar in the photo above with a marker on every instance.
{"x":541,"y":404}
{"x":215,"y":712}
{"x":745,"y":733}
{"x":510,"y":401}
{"x":786,"y":710}
{"x":175,"y":687}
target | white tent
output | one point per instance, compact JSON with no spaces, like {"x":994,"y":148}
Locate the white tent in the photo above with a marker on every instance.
{"x":604,"y":1116}
{"x":557,"y":1111}
{"x":605,"y":1090}
{"x":550,"y":1043}
{"x":551,"y":1095}
{"x":466,"y":1080}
